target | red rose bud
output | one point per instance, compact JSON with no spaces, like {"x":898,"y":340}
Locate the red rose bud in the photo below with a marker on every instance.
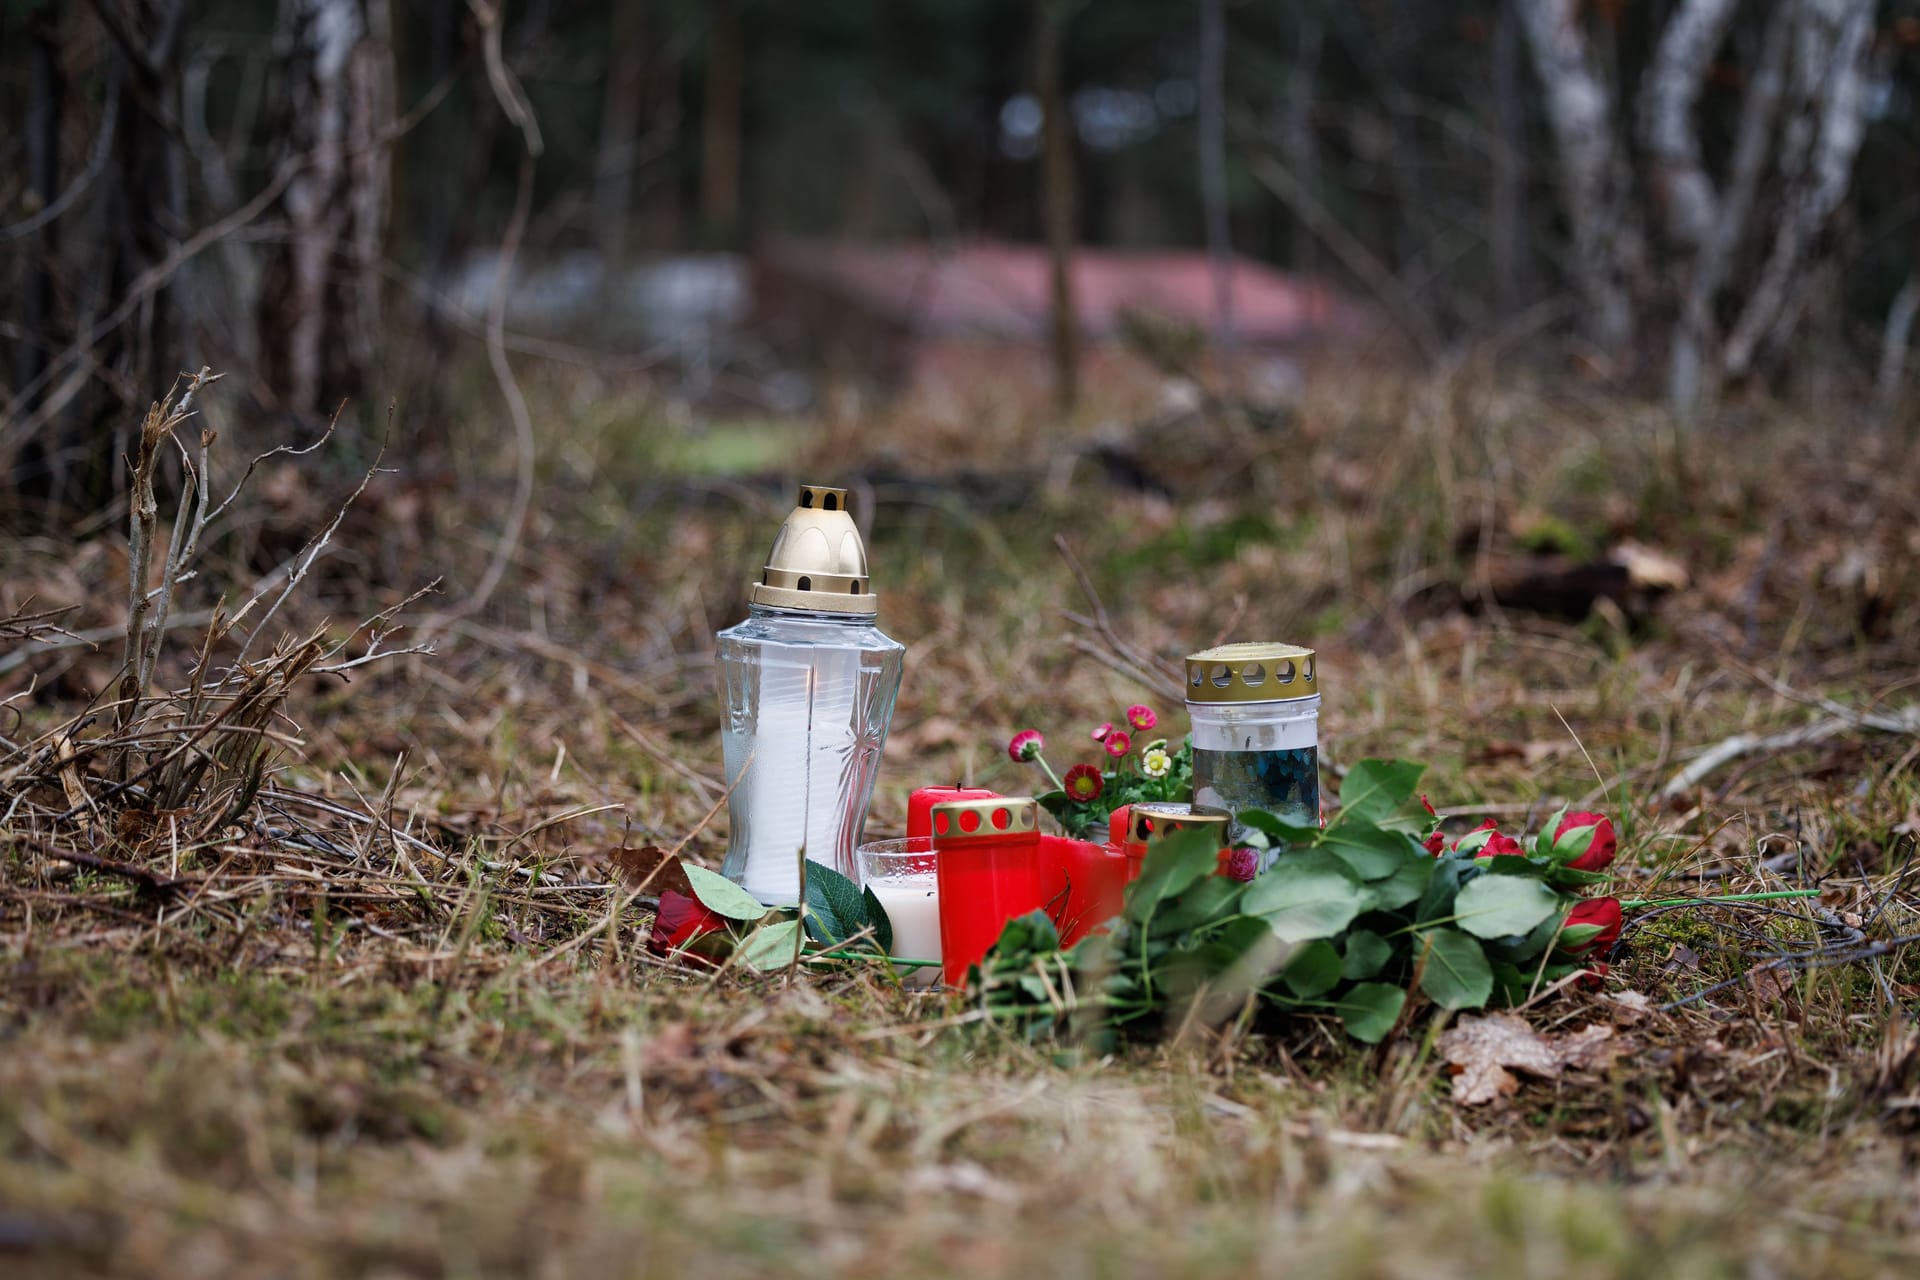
{"x":1244,"y":864}
{"x":679,"y":921}
{"x":1501,"y":846}
{"x":1435,"y":844}
{"x":1592,"y":927}
{"x":1474,"y":840}
{"x":1584,"y":841}
{"x":1428,"y":805}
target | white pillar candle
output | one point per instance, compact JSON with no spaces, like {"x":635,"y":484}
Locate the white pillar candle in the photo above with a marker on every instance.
{"x":912,"y":904}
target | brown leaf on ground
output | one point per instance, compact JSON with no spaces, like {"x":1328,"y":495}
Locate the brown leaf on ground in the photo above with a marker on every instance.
{"x":1772,"y":984}
{"x":1482,"y":1049}
{"x":650,"y":869}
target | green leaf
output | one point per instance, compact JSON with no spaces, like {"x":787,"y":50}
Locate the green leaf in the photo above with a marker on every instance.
{"x":1509,"y":982}
{"x":1568,"y":878}
{"x":722,"y":896}
{"x":1313,"y":971}
{"x":1305,"y":896}
{"x":835,"y":909}
{"x":1076,"y":817}
{"x":1456,"y":974}
{"x":1502,"y":906}
{"x":1370,"y":1010}
{"x":1170,"y":867}
{"x":877,"y":917}
{"x":1405,"y":885}
{"x":771,"y":946}
{"x":1373,"y":854}
{"x":1367,"y":954}
{"x":1284,"y":834}
{"x":1377,"y":791}
{"x":1436,"y":901}
{"x":1210,"y":898}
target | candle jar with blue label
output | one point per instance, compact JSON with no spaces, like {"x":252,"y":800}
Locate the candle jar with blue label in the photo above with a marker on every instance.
{"x":1255,"y":710}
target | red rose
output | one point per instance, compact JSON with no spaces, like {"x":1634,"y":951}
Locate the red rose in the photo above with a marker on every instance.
{"x":1244,"y":865}
{"x":1428,"y":805}
{"x":1598,"y":854}
{"x":1476,"y":839}
{"x":1603,"y":916}
{"x":1435,"y":844}
{"x":1501,"y":846}
{"x":679,"y":921}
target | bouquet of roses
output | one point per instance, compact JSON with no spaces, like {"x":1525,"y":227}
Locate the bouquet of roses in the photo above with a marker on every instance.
{"x":1364,"y":920}
{"x":1134,"y":769}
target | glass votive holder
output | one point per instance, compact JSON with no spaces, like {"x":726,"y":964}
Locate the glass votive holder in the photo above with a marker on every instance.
{"x":901,"y":875}
{"x":988,"y":866}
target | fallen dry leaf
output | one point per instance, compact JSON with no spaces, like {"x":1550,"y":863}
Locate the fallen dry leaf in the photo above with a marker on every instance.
{"x":1482,"y":1049}
{"x":650,"y":869}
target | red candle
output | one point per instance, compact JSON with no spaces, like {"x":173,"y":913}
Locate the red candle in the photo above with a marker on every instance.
{"x":1147,"y":824}
{"x":920,"y":805}
{"x":1085,"y":883}
{"x":987,"y":862}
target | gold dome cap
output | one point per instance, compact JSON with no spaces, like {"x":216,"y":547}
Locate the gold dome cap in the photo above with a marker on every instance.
{"x":818,"y":562}
{"x":1259,"y":671}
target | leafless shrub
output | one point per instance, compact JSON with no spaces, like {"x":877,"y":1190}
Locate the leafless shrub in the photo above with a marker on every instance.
{"x":196,"y":755}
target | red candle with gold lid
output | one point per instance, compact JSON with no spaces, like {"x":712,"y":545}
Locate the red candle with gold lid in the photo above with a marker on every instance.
{"x":987,"y":862}
{"x":920,"y":805}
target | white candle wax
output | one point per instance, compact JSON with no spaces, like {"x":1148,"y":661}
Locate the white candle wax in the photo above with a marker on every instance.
{"x":912,"y":904}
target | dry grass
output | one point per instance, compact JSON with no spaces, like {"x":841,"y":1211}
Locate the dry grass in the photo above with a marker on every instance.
{"x":396,"y":1017}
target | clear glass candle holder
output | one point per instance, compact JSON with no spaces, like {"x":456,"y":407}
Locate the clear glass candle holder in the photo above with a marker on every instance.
{"x":901,"y":875}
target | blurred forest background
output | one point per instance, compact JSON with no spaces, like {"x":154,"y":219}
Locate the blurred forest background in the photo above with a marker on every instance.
{"x":748,"y":204}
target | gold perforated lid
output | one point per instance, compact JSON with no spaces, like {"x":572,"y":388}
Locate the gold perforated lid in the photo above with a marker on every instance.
{"x":1260,"y":671}
{"x":982,"y":819}
{"x":1154,"y":820}
{"x":818,"y":562}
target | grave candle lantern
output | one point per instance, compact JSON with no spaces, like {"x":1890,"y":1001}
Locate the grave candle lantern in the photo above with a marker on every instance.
{"x":808,"y":686}
{"x":1255,"y":710}
{"x":1148,"y":823}
{"x":921,"y":801}
{"x":987,"y":863}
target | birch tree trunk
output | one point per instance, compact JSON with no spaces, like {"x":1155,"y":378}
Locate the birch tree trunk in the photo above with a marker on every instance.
{"x":1819,"y":142}
{"x":320,"y":313}
{"x":1609,"y":249}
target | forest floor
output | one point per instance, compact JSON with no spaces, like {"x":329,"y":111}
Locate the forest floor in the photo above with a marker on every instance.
{"x":393,"y":1014}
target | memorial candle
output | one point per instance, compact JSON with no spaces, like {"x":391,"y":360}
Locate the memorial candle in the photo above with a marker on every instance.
{"x":987,"y":859}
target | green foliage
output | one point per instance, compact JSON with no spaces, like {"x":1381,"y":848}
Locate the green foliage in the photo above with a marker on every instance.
{"x":1347,"y":922}
{"x":1121,"y":784}
{"x":722,"y":896}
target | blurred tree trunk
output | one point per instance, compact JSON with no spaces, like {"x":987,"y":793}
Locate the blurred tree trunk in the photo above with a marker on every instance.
{"x":320,"y":313}
{"x":1057,"y":198}
{"x":619,"y":131}
{"x":1212,"y":122}
{"x":720,"y":129}
{"x":1300,"y":145}
{"x":46,"y":91}
{"x":1507,"y":185}
{"x":1683,"y":193}
{"x":1820,"y":136}
{"x":1608,"y":261}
